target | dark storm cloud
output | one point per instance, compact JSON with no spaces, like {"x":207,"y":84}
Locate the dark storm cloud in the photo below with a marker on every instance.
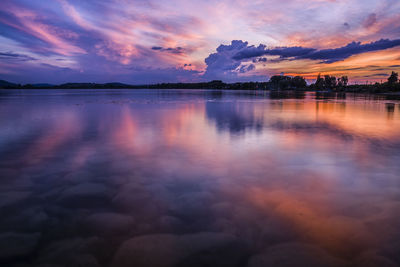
{"x":229,"y":60}
{"x":261,"y":59}
{"x":325,"y":55}
{"x":246,"y":68}
{"x":283,"y":52}
{"x":173,"y":50}
{"x":354,"y":48}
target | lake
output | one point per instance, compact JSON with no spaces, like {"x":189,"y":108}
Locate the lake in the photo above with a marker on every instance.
{"x":198,"y":178}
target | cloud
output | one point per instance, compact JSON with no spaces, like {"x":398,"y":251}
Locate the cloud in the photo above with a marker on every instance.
{"x":173,"y":50}
{"x":229,"y":57}
{"x":325,"y":55}
{"x":354,"y":48}
{"x":15,"y":56}
{"x":261,"y":59}
{"x":132,"y":75}
{"x":283,"y":52}
{"x":377,"y":75}
{"x":113,"y":35}
{"x":39,"y":33}
{"x":370,"y":20}
{"x":246,"y":68}
{"x":224,"y":64}
{"x":231,"y":60}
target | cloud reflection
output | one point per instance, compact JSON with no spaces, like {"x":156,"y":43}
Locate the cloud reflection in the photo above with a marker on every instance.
{"x":228,"y":174}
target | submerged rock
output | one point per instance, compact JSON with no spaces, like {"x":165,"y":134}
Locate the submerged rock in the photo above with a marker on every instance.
{"x":165,"y":250}
{"x":77,"y":177}
{"x":371,"y":259}
{"x":48,"y":265}
{"x":294,"y":255}
{"x":13,"y":198}
{"x":131,"y":200}
{"x":17,"y":244}
{"x":108,"y":223}
{"x":223,"y":209}
{"x":192,"y":205}
{"x":9,"y":173}
{"x":71,"y":252}
{"x":32,"y":219}
{"x":170,"y":224}
{"x":84,"y":194}
{"x":135,"y":200}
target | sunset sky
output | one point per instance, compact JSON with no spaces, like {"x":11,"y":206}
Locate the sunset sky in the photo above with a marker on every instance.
{"x":150,"y":41}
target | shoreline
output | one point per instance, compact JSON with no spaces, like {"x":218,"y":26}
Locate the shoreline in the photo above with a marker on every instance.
{"x":387,"y":95}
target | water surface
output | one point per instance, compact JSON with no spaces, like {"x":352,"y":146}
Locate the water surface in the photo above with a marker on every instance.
{"x":198,"y":178}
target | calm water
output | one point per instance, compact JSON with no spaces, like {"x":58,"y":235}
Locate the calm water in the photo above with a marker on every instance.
{"x":198,"y":178}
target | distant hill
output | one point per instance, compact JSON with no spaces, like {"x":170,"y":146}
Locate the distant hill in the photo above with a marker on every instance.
{"x":276,"y":83}
{"x":117,"y":84}
{"x":5,"y":84}
{"x":43,"y":85}
{"x":8,"y":85}
{"x":95,"y":85}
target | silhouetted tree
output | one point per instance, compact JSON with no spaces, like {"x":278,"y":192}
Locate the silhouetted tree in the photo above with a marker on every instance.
{"x":343,"y":81}
{"x":330,"y":82}
{"x":320,"y":82}
{"x":298,"y":82}
{"x":276,"y":79}
{"x":280,"y":82}
{"x":284,"y":84}
{"x":394,"y":77}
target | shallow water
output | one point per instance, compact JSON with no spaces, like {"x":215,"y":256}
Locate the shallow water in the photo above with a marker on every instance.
{"x":198,"y":178}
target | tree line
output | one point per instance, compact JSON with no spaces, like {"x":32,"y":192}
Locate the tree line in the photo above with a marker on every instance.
{"x":276,"y":83}
{"x":332,"y":83}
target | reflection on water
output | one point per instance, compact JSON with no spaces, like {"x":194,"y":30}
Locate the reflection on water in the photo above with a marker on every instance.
{"x":198,"y":178}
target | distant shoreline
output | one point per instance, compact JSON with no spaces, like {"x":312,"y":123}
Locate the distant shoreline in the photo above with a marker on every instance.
{"x":276,"y":93}
{"x":384,"y":89}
